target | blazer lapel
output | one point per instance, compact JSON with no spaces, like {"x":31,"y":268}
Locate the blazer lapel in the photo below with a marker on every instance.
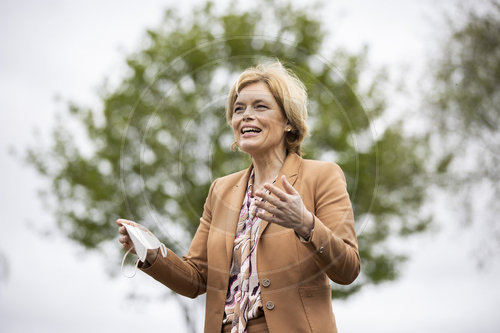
{"x":235,"y":201}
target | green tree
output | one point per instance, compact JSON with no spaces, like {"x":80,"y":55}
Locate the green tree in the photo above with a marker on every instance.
{"x":464,"y":104}
{"x":161,"y":137}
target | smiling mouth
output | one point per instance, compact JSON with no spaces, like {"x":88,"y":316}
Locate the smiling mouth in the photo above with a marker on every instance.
{"x":245,"y":130}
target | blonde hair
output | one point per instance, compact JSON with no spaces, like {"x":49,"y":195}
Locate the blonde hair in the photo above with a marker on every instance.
{"x":288,"y":91}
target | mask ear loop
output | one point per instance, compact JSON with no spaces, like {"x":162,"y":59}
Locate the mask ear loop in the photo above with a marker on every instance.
{"x":163,"y":250}
{"x":136,"y":264}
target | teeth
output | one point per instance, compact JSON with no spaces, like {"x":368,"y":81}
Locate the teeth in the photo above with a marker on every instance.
{"x":249,"y":129}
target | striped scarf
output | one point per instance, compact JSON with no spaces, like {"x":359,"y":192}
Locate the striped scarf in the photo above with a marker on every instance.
{"x":243,"y":301}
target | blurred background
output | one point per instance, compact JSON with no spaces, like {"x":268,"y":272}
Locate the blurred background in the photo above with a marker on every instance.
{"x":116,"y":109}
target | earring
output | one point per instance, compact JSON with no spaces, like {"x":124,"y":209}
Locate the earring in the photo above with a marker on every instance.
{"x":288,"y":129}
{"x":234,"y":146}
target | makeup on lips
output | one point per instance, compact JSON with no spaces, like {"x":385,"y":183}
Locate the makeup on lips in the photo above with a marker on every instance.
{"x":248,"y":131}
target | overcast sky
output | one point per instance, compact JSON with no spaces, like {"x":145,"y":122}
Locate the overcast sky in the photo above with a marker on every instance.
{"x":67,"y":48}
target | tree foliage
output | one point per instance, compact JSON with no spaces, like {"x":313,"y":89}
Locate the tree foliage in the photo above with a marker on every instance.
{"x":464,"y":101}
{"x":161,"y":137}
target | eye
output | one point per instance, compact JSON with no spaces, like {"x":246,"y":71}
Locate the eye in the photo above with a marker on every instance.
{"x":238,"y":109}
{"x":262,"y":107}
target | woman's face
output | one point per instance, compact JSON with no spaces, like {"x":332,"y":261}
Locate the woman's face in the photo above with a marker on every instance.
{"x":258,"y":123}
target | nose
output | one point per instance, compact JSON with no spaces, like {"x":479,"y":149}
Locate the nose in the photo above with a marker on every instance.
{"x":248,"y":113}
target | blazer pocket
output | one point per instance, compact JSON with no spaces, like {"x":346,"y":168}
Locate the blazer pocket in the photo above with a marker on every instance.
{"x":317,"y":305}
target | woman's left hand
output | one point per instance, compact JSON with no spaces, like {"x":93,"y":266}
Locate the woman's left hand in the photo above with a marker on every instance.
{"x":285,"y":208}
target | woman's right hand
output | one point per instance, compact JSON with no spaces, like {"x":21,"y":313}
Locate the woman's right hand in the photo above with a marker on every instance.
{"x":128,"y":244}
{"x":124,"y":237}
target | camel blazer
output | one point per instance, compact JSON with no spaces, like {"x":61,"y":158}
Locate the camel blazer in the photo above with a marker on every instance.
{"x":294,"y":275}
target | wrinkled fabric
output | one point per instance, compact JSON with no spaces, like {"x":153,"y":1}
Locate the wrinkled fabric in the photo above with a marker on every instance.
{"x":243,"y":300}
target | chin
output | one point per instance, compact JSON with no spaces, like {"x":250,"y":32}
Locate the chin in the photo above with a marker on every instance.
{"x":250,"y":148}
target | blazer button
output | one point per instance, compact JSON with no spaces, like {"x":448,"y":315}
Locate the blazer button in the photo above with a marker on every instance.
{"x":266,"y":282}
{"x":321,"y":250}
{"x":270,"y":305}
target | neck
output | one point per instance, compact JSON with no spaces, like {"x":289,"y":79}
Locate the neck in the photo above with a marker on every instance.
{"x":266,"y":167}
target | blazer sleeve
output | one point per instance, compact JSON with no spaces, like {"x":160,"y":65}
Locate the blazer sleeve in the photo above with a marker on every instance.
{"x":187,"y":275}
{"x":333,"y":240}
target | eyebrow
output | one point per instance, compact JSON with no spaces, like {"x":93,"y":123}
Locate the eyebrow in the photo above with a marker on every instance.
{"x":254,"y":102}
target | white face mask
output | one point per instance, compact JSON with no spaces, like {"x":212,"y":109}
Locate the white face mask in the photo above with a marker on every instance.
{"x":143,"y":240}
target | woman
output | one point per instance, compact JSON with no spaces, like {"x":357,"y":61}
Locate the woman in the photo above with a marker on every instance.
{"x":271,"y":236}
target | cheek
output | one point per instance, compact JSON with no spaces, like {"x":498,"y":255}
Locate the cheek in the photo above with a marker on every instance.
{"x":234,"y":125}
